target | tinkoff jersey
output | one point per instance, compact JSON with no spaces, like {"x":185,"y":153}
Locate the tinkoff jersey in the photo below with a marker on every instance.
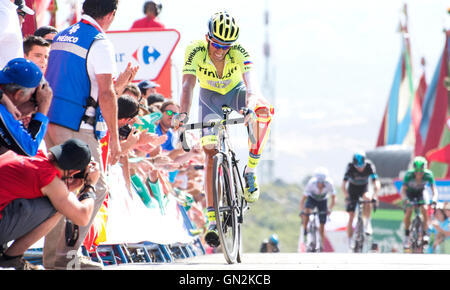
{"x":197,"y":62}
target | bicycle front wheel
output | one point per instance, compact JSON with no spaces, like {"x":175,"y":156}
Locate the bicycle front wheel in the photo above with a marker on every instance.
{"x":416,"y":236}
{"x":311,"y":237}
{"x":225,"y":205}
{"x":359,"y":236}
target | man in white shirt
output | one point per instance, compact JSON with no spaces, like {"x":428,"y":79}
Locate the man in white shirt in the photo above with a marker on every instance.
{"x":11,"y":40}
{"x":80,"y":71}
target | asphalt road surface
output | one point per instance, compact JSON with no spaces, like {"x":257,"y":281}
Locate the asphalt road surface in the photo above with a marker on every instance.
{"x":304,"y":261}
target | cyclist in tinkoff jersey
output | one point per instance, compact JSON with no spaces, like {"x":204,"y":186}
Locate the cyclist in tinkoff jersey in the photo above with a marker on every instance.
{"x":413,"y":188}
{"x":317,"y":191}
{"x":223,"y":69}
{"x":357,"y":176}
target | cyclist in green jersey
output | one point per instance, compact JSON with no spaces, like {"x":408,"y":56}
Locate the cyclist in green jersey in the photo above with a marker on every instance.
{"x":413,"y":188}
{"x":222,"y":68}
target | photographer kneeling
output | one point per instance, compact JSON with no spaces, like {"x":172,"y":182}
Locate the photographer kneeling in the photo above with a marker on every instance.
{"x":35,"y":192}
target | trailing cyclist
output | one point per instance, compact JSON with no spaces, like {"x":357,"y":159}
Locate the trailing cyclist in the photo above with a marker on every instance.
{"x":317,"y":190}
{"x":356,"y":185}
{"x":412,"y":189}
{"x":223,"y":69}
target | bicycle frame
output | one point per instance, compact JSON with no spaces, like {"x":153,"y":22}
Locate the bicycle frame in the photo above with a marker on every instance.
{"x":358,"y":235}
{"x":314,"y":240}
{"x":416,"y":229}
{"x":234,"y":204}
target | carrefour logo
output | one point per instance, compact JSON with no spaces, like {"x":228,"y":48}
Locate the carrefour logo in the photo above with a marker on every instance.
{"x":146,"y":54}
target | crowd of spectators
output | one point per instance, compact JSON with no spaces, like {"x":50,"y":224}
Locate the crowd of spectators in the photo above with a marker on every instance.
{"x":439,"y":229}
{"x":40,"y":127}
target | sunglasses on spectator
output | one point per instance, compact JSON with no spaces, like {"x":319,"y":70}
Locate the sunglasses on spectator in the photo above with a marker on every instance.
{"x":170,"y":113}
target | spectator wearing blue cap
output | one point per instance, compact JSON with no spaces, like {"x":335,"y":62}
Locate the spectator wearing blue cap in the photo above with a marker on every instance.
{"x":147,"y":88}
{"x":22,"y":83}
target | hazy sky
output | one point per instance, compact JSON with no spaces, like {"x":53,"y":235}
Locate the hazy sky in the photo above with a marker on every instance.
{"x":333,"y":64}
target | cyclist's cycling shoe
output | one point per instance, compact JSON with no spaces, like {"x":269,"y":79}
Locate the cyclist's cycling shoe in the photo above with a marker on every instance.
{"x":212,"y":236}
{"x":406,"y":243}
{"x":368,"y":229}
{"x":426,"y":239}
{"x":251,"y":192}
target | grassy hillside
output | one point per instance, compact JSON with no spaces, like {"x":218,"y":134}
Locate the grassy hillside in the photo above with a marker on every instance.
{"x":276,"y":211}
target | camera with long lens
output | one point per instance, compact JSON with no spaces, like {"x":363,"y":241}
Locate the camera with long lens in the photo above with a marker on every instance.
{"x":33,"y":98}
{"x":124,"y":132}
{"x":81,"y":175}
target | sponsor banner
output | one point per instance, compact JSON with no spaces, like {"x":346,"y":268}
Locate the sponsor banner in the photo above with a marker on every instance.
{"x":388,"y":194}
{"x":150,"y":49}
{"x":130,"y":221}
{"x":443,"y":188}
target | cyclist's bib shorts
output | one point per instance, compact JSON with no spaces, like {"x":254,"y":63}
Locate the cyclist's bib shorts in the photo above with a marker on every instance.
{"x":211,"y":107}
{"x":354,"y":193}
{"x":322,"y":207}
{"x":418,"y":196}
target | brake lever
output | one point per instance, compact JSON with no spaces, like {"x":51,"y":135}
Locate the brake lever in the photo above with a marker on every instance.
{"x":250,"y":132}
{"x":184,"y":143}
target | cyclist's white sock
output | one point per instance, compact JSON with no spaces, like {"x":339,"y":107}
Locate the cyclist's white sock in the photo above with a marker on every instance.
{"x":248,"y":169}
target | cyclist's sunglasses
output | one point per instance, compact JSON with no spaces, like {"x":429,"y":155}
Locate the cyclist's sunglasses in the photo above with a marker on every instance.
{"x":219,"y":46}
{"x":170,"y":113}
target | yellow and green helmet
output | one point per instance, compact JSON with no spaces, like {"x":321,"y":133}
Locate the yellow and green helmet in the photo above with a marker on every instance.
{"x":223,"y":28}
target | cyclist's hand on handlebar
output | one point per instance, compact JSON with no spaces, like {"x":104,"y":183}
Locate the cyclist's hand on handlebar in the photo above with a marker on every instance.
{"x":250,"y":116}
{"x":405,"y":202}
{"x":375,"y":203}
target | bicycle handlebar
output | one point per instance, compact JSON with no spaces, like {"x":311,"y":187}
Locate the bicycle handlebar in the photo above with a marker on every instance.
{"x":302,"y":213}
{"x":213,"y":124}
{"x":373,"y":200}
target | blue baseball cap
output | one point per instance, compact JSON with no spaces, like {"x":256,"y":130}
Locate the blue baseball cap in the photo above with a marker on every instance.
{"x":22,"y":72}
{"x":148,"y":85}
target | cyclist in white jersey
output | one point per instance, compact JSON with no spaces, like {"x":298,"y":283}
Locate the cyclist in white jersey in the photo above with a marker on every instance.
{"x":316,"y":194}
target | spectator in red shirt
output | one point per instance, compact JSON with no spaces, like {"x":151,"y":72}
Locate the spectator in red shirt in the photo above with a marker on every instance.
{"x":151,"y":10}
{"x":35,"y":194}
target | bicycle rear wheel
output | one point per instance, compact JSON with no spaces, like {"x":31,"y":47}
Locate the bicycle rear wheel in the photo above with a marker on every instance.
{"x":225,"y":206}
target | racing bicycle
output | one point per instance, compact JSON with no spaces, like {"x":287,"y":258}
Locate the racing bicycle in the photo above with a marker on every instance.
{"x":228,"y":187}
{"x":359,"y":236}
{"x":313,"y":238}
{"x":416,"y":240}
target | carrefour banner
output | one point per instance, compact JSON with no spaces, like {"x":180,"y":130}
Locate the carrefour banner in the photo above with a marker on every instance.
{"x":150,"y":49}
{"x":443,"y":188}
